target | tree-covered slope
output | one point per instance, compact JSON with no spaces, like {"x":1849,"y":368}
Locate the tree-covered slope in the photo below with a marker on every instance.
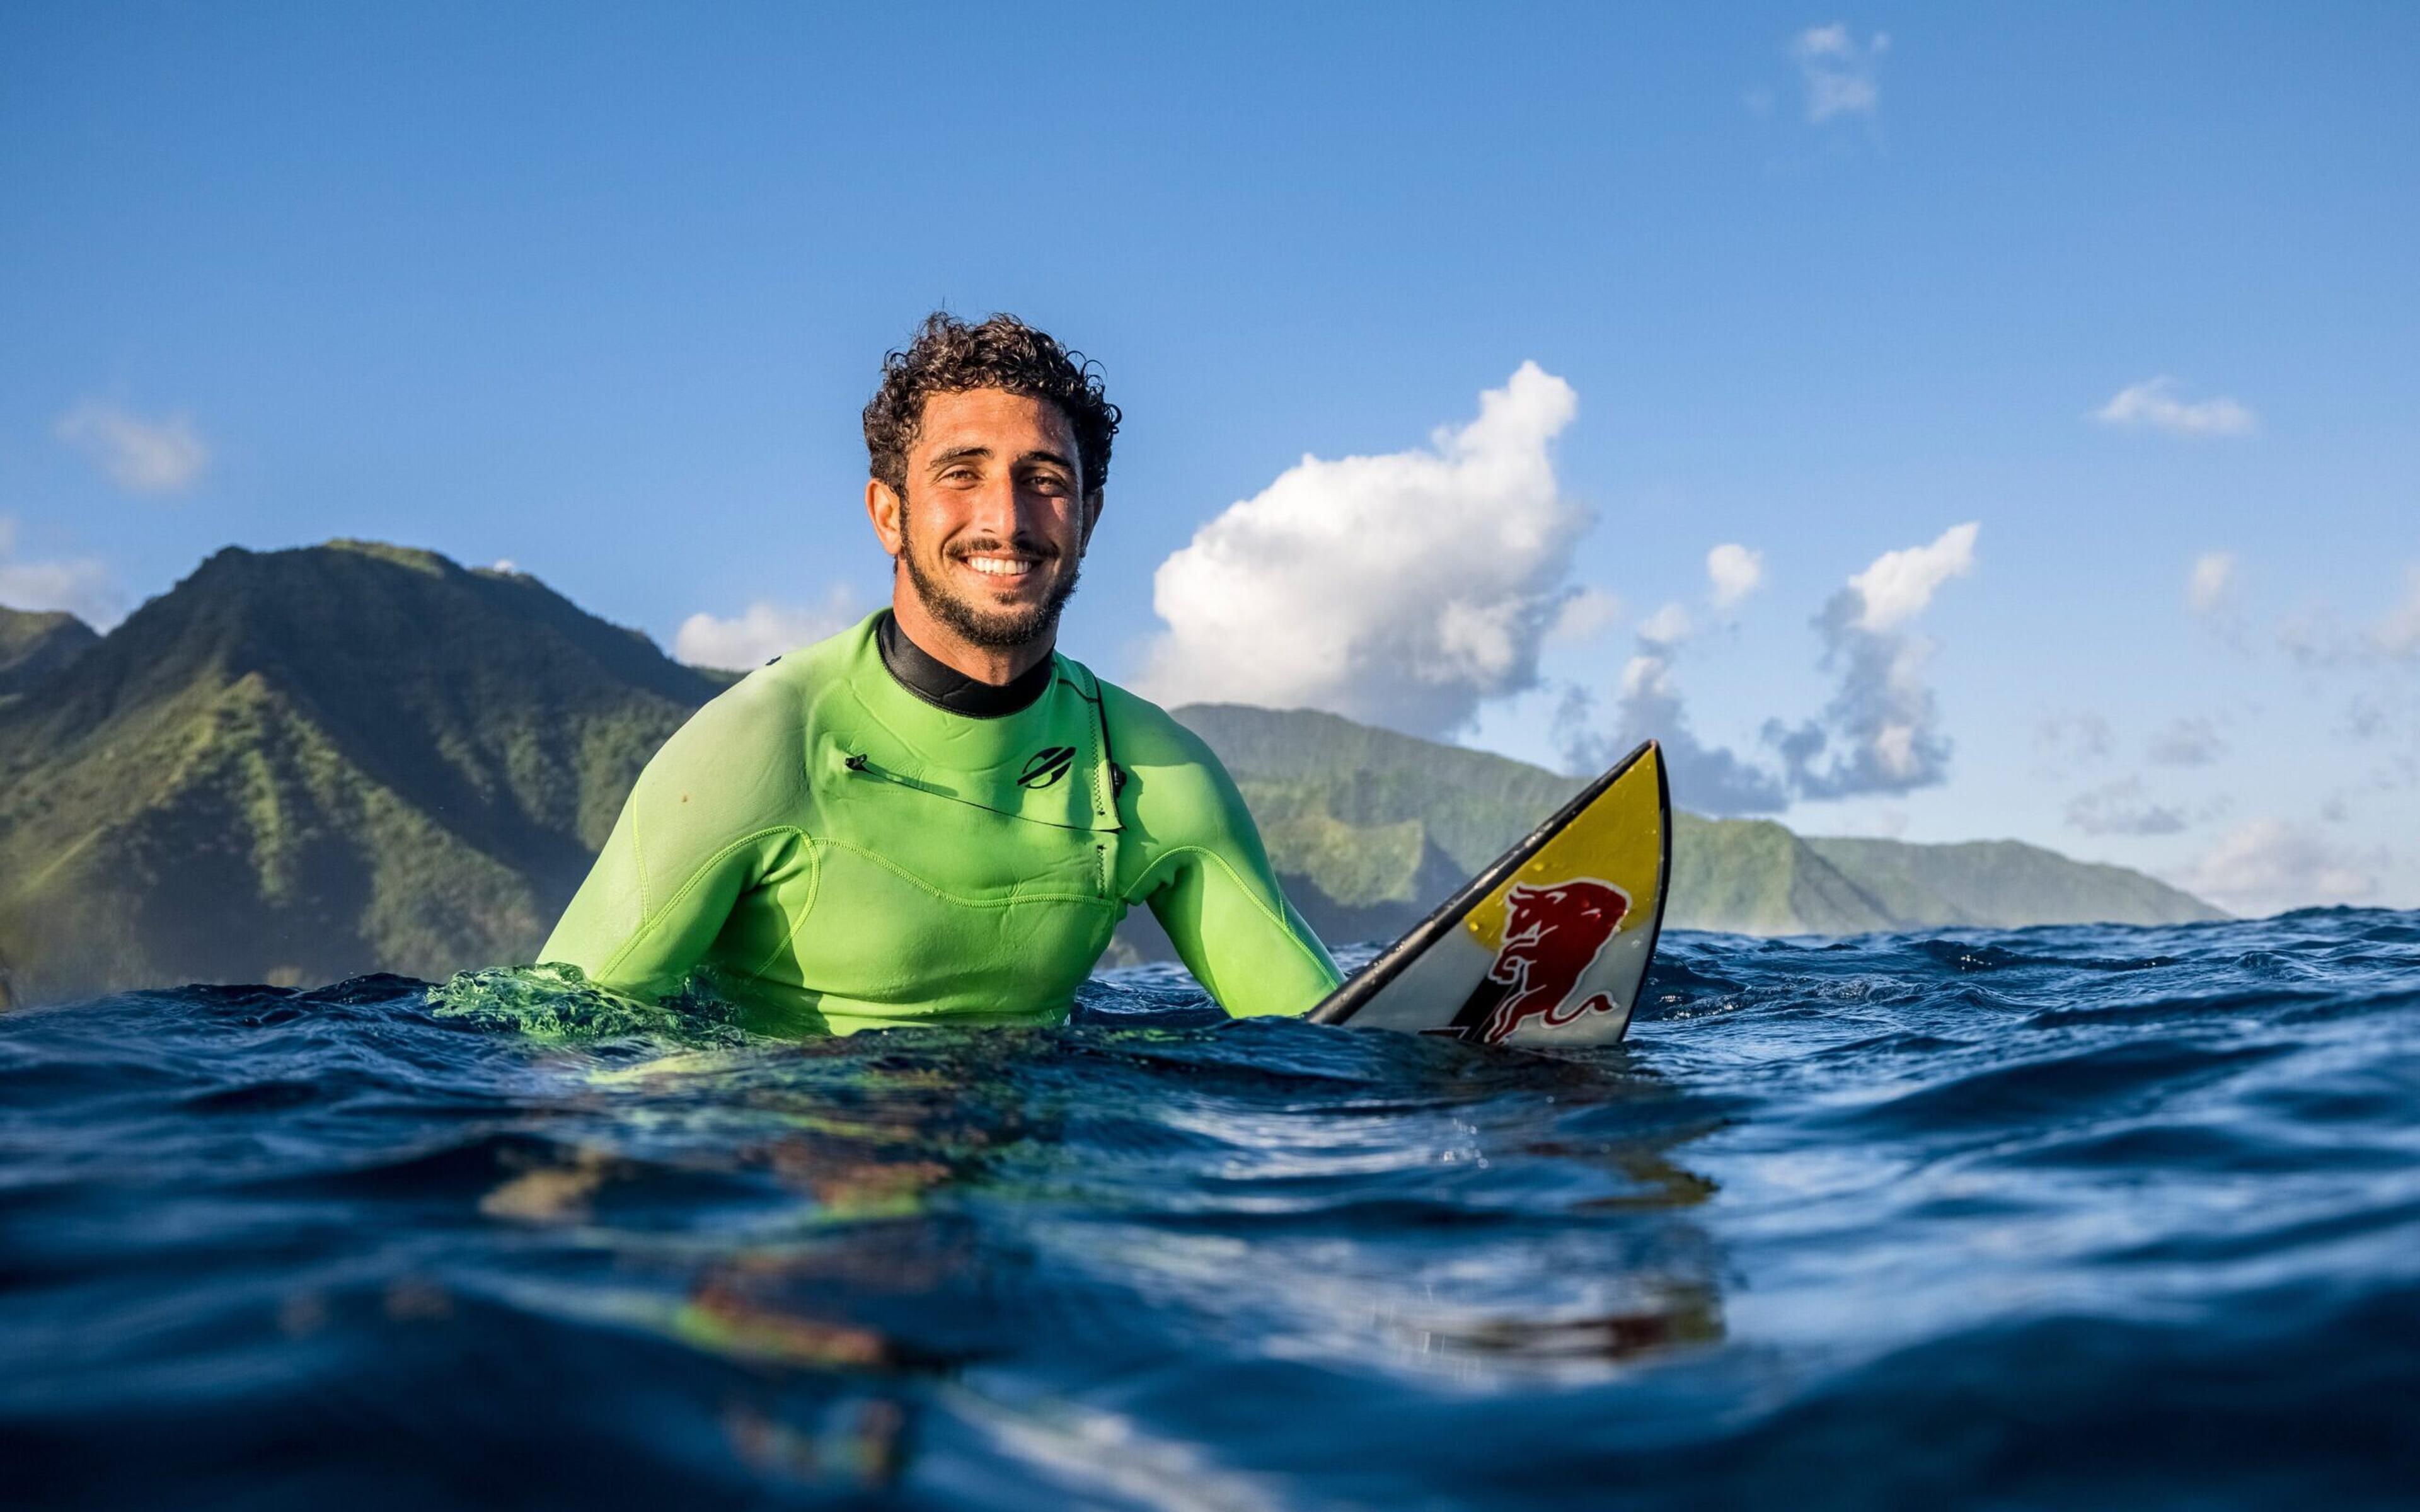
{"x":1752,"y":876}
{"x":2003,"y":882}
{"x":1331,"y":790}
{"x":33,"y":646}
{"x":1332,"y":793}
{"x":299,"y":764}
{"x":1471,"y":802}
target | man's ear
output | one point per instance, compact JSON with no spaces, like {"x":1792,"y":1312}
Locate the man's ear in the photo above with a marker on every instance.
{"x":883,"y":507}
{"x":1093,"y":502}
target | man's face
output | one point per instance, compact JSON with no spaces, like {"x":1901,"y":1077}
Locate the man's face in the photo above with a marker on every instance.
{"x":994,"y":521}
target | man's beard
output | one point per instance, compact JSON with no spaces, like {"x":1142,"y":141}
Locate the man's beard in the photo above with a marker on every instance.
{"x":996,"y":629}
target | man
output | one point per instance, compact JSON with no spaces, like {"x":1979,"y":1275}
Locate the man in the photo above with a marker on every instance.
{"x":934,"y":818}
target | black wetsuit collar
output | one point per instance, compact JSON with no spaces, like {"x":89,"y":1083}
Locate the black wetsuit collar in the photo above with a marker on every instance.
{"x":946,"y":687}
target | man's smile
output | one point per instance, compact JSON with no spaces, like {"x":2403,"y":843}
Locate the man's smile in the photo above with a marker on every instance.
{"x":1009,"y":568}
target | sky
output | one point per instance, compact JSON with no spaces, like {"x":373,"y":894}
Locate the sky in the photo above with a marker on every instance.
{"x":1940,"y":422}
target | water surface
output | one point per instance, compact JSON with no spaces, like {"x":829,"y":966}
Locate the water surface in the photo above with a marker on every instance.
{"x":2048,"y":1217}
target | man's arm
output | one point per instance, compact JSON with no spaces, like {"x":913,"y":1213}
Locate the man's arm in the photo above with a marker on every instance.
{"x":704,"y":821}
{"x":1213,"y":889}
{"x":1242,"y":940}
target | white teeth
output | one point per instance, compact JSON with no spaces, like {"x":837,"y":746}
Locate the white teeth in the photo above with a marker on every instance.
{"x":1000,"y":566}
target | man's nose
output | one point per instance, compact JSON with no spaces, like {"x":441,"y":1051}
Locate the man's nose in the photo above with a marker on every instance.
{"x":998,"y":508}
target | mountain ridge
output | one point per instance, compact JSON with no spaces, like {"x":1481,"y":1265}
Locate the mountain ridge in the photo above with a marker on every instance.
{"x":1753,"y":876}
{"x":302,"y":764}
{"x":307,"y":763}
{"x":34,"y":644}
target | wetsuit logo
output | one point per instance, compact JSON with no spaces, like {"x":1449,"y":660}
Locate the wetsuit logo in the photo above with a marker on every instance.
{"x":1048,"y":765}
{"x":1552,"y":936}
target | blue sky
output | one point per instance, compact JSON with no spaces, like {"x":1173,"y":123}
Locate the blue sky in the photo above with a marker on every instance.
{"x":600,"y":291}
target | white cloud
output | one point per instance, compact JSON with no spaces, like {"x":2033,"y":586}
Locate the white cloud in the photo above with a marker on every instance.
{"x":2316,"y":639}
{"x":1878,"y":735}
{"x":763,"y":632}
{"x":2398,"y":633}
{"x":1583,"y":616}
{"x":1400,"y":588}
{"x":151,"y":456}
{"x":83,"y":586}
{"x":2121,"y":808}
{"x":2080,"y":738}
{"x":1839,"y":72}
{"x":2266,"y":866}
{"x":1899,"y":584}
{"x":1881,"y":731}
{"x":2153,"y":404}
{"x":1732,"y":572}
{"x":1668,"y":627}
{"x":2210,"y":585}
{"x":1705,"y":779}
{"x":2187,"y":742}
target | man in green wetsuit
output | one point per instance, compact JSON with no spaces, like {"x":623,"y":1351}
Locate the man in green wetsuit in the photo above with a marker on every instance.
{"x":933,"y":817}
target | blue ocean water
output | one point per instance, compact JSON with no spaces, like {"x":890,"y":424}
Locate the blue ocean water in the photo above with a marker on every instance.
{"x":2055,"y":1217}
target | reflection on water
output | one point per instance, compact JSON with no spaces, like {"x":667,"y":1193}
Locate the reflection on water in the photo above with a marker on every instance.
{"x":910,"y":1221}
{"x":2051,"y":1217}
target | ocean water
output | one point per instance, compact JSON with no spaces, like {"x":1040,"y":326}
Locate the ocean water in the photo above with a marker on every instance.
{"x":2055,"y":1217}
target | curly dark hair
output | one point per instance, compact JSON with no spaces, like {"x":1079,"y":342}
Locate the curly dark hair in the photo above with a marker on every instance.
{"x":950,"y":356}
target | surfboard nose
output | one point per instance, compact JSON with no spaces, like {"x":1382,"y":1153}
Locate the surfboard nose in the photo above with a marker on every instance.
{"x":1549,"y":944}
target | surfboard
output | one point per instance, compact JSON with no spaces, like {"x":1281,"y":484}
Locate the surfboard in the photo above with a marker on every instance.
{"x":1549,"y":946}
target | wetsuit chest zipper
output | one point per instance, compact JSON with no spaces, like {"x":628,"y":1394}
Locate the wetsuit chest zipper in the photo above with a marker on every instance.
{"x":1108,"y":783}
{"x":864,"y":767}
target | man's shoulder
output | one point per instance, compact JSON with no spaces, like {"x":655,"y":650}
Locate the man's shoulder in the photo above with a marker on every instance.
{"x":768,"y":710}
{"x":1185,"y":795}
{"x":809,"y":668}
{"x":1146,"y":735}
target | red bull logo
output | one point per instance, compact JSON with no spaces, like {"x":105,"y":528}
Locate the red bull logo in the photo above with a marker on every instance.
{"x":1552,"y":936}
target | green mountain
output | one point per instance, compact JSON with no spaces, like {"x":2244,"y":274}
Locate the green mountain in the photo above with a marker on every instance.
{"x":34,"y":646}
{"x":2002,"y":882}
{"x":302,"y":764}
{"x":298,"y":765}
{"x":1386,"y":825}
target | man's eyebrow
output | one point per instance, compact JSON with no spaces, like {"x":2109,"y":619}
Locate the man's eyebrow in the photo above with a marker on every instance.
{"x":958,"y":454}
{"x":1038,"y":455}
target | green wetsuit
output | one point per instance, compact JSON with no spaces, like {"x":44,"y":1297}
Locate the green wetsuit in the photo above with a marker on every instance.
{"x":840,"y":853}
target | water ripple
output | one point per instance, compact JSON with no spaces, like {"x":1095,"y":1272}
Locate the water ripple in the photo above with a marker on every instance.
{"x":2046,"y":1217}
